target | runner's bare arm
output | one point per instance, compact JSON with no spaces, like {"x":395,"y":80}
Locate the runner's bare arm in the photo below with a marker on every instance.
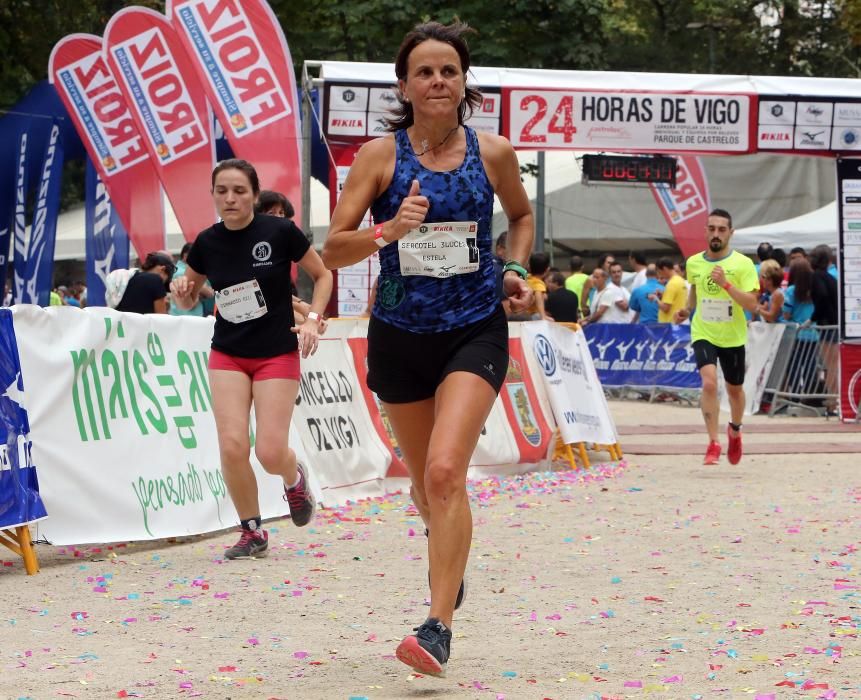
{"x":369,"y":176}
{"x":185,"y":289}
{"x":747,"y":300}
{"x":503,"y":171}
{"x":682,"y":314}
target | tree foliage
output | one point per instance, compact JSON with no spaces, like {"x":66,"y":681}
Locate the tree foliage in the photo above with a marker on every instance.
{"x":30,"y":28}
{"x":759,"y":37}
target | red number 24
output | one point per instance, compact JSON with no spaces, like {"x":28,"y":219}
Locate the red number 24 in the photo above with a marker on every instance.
{"x":562,"y":121}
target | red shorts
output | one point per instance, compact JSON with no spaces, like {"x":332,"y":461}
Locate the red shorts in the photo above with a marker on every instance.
{"x":258,"y":368}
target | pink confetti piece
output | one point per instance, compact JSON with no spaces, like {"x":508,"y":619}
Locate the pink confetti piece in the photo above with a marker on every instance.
{"x":300,"y":654}
{"x":633,"y":684}
{"x":253,"y":641}
{"x":673,"y":679}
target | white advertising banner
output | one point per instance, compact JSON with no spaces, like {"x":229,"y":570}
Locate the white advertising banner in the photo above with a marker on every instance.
{"x":624,"y":121}
{"x":122,"y":428}
{"x":763,"y":342}
{"x":348,"y":457}
{"x":572,"y":384}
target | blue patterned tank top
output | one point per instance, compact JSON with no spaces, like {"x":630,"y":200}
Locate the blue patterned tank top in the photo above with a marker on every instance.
{"x":424,"y":304}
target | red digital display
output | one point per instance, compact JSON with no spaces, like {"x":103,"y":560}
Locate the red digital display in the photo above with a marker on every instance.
{"x":636,"y":169}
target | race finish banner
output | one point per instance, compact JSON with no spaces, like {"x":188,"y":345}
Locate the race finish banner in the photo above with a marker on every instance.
{"x":242,"y":59}
{"x":169,"y":106}
{"x":643,"y":355}
{"x":644,"y":122}
{"x":98,"y":109}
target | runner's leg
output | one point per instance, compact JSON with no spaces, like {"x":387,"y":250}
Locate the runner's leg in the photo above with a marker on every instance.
{"x":412,"y":424}
{"x":231,"y":405}
{"x":274,"y":400}
{"x":735,"y":394}
{"x":709,"y":403}
{"x":463,"y":402}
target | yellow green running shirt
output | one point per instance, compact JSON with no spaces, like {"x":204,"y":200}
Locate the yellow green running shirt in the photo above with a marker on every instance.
{"x":718,"y":318}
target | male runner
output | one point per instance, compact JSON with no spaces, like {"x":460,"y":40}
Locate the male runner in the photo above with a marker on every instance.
{"x":724,"y":283}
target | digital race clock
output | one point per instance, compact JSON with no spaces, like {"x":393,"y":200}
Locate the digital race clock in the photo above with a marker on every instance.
{"x":607,"y":168}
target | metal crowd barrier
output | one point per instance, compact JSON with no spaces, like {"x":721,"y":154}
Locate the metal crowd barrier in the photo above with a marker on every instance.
{"x":805,"y":371}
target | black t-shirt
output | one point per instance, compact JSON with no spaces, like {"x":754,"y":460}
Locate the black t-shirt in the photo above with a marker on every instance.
{"x":143,"y":289}
{"x":562,"y":304}
{"x":825,"y":299}
{"x":262,"y":251}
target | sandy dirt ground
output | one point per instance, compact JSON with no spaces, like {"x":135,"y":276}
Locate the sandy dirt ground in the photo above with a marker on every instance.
{"x":654,"y":578}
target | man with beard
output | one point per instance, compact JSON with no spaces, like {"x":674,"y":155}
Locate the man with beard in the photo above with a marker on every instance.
{"x":723,"y":285}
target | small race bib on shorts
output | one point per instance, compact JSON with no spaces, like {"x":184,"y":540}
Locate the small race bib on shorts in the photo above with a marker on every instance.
{"x":716,"y":310}
{"x":441,"y":249}
{"x":241,"y":302}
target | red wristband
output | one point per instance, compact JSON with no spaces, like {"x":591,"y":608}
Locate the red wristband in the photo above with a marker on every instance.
{"x":378,"y":236}
{"x":726,"y":285}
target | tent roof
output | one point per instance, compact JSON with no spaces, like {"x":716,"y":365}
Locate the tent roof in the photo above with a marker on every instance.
{"x":605,"y":218}
{"x":808,"y":230}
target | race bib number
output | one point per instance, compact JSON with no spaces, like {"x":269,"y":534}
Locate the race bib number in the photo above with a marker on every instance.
{"x":241,"y":302}
{"x":716,"y":310}
{"x":442,"y":249}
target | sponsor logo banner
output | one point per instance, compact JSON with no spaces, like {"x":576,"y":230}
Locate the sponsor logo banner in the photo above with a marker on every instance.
{"x":640,"y":355}
{"x":571,"y":382}
{"x":98,"y":109}
{"x":105,"y":239}
{"x":43,"y":231}
{"x":168,"y":104}
{"x":649,"y":122}
{"x":20,"y":502}
{"x":19,"y":224}
{"x":776,"y":112}
{"x":241,"y":57}
{"x":814,"y":113}
{"x":9,"y":212}
{"x":528,"y":424}
{"x":357,"y":112}
{"x":773,"y":137}
{"x":686,"y":207}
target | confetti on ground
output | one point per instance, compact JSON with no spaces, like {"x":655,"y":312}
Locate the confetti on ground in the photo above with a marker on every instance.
{"x":650,"y":578}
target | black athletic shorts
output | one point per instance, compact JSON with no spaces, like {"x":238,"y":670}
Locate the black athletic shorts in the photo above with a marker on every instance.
{"x":404,"y":367}
{"x":731,"y":360}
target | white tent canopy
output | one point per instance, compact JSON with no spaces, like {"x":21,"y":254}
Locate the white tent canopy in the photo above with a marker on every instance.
{"x":806,"y":231}
{"x":612,"y":218}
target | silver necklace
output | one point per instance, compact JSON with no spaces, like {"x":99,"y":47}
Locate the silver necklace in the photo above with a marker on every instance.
{"x":428,"y":149}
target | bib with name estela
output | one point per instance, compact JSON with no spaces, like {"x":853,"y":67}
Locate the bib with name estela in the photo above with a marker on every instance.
{"x":441,"y":249}
{"x":241,"y":302}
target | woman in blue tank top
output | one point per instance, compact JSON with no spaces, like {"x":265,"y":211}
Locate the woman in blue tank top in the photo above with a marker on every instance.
{"x":437,"y":338}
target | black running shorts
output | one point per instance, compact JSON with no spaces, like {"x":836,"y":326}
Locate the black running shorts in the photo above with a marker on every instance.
{"x":731,"y":360}
{"x":404,"y":367}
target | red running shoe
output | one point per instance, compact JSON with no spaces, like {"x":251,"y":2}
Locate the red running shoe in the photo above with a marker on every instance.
{"x":712,"y":453}
{"x":427,"y":650}
{"x":734,"y":450}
